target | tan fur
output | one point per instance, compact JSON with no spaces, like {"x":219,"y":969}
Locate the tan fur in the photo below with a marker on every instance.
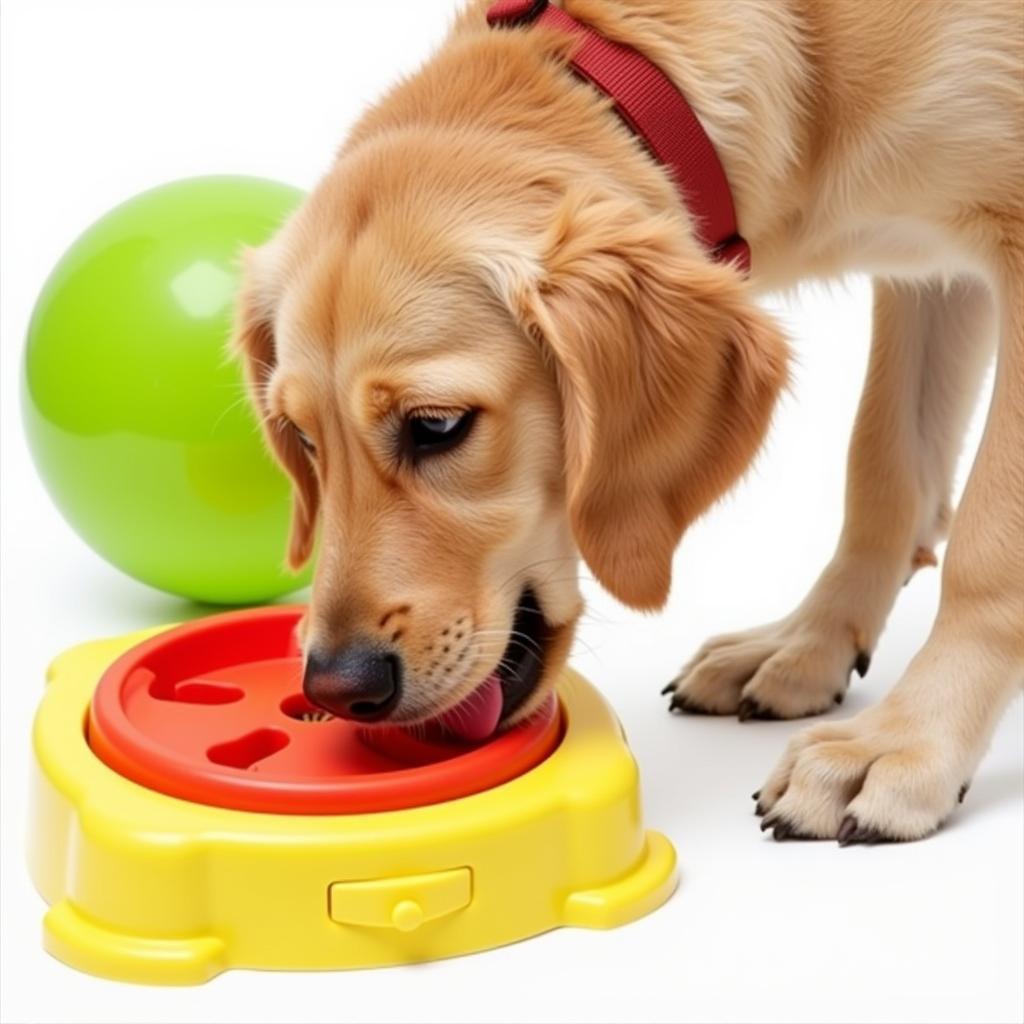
{"x":492,"y":237}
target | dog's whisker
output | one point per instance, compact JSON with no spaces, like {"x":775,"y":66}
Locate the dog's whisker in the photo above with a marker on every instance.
{"x":521,"y":639}
{"x":586,"y":646}
{"x":227,"y":411}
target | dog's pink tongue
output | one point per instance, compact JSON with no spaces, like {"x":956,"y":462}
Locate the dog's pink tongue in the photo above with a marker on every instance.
{"x":475,"y":718}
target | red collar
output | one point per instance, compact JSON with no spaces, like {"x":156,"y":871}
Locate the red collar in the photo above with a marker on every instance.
{"x":656,"y":111}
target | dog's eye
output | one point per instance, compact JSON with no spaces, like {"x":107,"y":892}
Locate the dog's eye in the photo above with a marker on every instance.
{"x":303,"y":439}
{"x":431,"y":434}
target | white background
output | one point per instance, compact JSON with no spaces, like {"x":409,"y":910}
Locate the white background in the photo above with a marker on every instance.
{"x":103,"y":99}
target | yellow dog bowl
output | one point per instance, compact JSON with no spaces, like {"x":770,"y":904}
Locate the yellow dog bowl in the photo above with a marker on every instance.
{"x":157,"y":756}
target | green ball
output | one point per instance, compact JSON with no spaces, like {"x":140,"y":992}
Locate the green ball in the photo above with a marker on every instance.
{"x":136,"y":417}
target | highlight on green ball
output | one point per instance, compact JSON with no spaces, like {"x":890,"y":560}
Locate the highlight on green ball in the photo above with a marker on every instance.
{"x":136,"y":418}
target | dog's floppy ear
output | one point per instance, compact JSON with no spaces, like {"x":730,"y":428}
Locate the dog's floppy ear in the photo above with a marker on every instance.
{"x":667,"y":373}
{"x":253,"y":341}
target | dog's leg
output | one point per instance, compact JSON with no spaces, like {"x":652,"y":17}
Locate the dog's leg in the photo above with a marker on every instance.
{"x":896,"y":770}
{"x":930,"y":347}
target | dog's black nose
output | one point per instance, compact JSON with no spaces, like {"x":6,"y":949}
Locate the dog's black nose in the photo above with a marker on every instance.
{"x":361,"y":681}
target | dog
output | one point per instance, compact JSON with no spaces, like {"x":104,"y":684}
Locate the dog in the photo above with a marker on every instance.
{"x":491,"y":343}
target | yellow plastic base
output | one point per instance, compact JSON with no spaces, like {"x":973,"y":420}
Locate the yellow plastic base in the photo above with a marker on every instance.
{"x":148,"y":888}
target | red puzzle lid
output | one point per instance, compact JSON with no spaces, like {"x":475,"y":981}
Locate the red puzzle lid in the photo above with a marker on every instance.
{"x":213,"y":712}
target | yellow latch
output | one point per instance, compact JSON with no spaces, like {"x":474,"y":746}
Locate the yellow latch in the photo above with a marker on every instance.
{"x":403,"y":903}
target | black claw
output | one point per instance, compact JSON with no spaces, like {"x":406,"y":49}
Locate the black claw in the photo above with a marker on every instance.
{"x":756,"y":795}
{"x":963,"y":792}
{"x":862,"y":664}
{"x":666,"y":690}
{"x":759,"y":809}
{"x":783,"y":829}
{"x":768,"y":822}
{"x":851,"y":832}
{"x":749,"y":708}
{"x":680,"y":702}
{"x":847,"y":830}
{"x":839,"y":697}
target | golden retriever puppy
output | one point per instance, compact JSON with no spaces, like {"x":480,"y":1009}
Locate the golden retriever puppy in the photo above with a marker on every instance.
{"x":490,"y":343}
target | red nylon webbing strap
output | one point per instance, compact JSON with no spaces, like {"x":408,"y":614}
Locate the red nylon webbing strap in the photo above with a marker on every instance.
{"x":656,"y":111}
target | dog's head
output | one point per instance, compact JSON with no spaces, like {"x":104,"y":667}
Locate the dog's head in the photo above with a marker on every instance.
{"x":469,"y":394}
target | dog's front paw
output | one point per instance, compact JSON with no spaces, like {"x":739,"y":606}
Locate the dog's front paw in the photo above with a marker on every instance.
{"x":789,"y":669}
{"x":878,"y":777}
